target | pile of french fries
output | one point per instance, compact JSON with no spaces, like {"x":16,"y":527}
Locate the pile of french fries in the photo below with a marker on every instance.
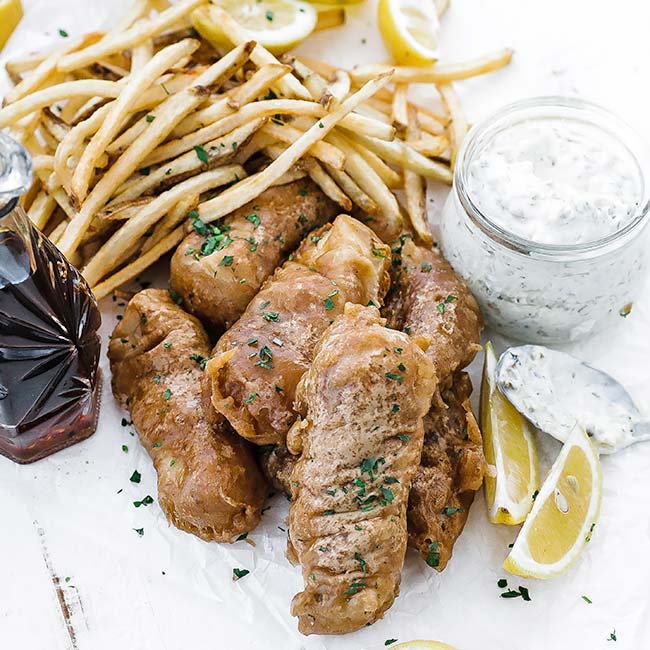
{"x":132,"y":129}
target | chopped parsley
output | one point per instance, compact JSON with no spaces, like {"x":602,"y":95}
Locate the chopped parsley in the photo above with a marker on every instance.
{"x":125,"y":449}
{"x":140,"y":531}
{"x":271,"y":316}
{"x":402,"y":436}
{"x":266,"y":357}
{"x":393,"y":375}
{"x":433,"y":555}
{"x":197,"y":358}
{"x":587,"y":600}
{"x":250,"y":398}
{"x":522,"y":592}
{"x":361,"y":561}
{"x":148,"y":500}
{"x":329,"y":512}
{"x":269,"y":15}
{"x":354,"y":588}
{"x":612,"y":635}
{"x":238,"y":574}
{"x":242,"y":537}
{"x":201,"y":153}
{"x":452,"y":511}
{"x":167,"y":394}
{"x":395,"y":409}
{"x":254,"y":219}
{"x":387,"y":641}
{"x":378,"y":253}
{"x":226,"y":261}
{"x":502,"y":583}
{"x":150,"y":118}
{"x":135,"y":477}
{"x":425,"y":267}
{"x":63,"y":33}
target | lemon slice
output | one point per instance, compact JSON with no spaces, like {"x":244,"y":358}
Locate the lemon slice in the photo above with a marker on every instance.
{"x":11,"y":11}
{"x":278,"y":25}
{"x":410,"y":30}
{"x":510,"y":451}
{"x":422,"y":645}
{"x":564,"y":514}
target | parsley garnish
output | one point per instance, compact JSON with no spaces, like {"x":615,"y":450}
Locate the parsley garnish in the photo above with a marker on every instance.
{"x":135,"y":477}
{"x":254,"y":219}
{"x":140,"y":531}
{"x":452,"y":511}
{"x":238,"y":574}
{"x":271,"y":316}
{"x":145,"y":502}
{"x":433,"y":556}
{"x":402,"y":436}
{"x":395,"y":409}
{"x":587,"y":600}
{"x":425,"y":267}
{"x":250,"y":398}
{"x":201,"y":153}
{"x":150,"y":118}
{"x":393,"y":375}
{"x":387,"y":641}
{"x":354,"y":588}
{"x":199,"y":359}
{"x":63,"y":33}
{"x":362,"y":562}
{"x":167,"y":394}
{"x":226,"y":261}
{"x":612,"y":635}
{"x":329,"y":512}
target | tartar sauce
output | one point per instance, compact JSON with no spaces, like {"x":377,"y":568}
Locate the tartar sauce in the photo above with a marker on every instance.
{"x":546,"y":222}
{"x":558,"y":392}
{"x":556,"y":181}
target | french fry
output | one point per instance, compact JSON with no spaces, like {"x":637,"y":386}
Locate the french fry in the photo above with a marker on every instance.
{"x":141,"y":55}
{"x":369,"y":181}
{"x":389,"y":176}
{"x":441,"y":7}
{"x":340,"y":86}
{"x":105,"y":259}
{"x":414,"y":188}
{"x":172,"y":219}
{"x":49,"y":96}
{"x":123,"y":210}
{"x":224,"y":106}
{"x":354,"y":192}
{"x":217,"y":151}
{"x":121,"y":108}
{"x":116,"y":42}
{"x":170,"y":113}
{"x":244,"y":191}
{"x":399,"y":153}
{"x":438,"y":73}
{"x":244,"y":94}
{"x":323,"y":151}
{"x":328,"y":18}
{"x":326,"y":183}
{"x":41,"y":209}
{"x":458,"y":125}
{"x":289,"y":86}
{"x":132,"y":270}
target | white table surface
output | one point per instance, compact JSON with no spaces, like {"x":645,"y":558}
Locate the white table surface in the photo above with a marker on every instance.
{"x":167,"y":590}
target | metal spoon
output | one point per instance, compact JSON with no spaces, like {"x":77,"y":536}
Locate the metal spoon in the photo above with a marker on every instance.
{"x":556,"y":392}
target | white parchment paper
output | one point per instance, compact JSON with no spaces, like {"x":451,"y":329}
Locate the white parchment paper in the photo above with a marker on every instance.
{"x":72,"y":516}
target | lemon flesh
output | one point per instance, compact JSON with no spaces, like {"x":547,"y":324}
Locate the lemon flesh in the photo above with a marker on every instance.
{"x":422,"y":645}
{"x":410,"y":30}
{"x":564,"y":515}
{"x":277,"y":25}
{"x":11,"y":11}
{"x":509,"y":447}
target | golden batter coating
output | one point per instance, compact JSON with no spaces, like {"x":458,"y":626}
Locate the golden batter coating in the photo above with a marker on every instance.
{"x":217,"y":275}
{"x":450,"y":472}
{"x":208,"y":481}
{"x":431,"y":303}
{"x":258,"y":362}
{"x":363,"y":401}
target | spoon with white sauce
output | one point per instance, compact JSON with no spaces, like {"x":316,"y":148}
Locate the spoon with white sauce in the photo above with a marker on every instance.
{"x":556,"y":391}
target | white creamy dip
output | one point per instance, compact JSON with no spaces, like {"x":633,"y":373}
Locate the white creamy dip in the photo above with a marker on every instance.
{"x":540,"y":174}
{"x":556,"y":181}
{"x":557,"y":392}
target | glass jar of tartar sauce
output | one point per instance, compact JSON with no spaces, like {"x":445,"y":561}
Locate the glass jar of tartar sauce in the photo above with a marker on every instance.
{"x":546,"y":219}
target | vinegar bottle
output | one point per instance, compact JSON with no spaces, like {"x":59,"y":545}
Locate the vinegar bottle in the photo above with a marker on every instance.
{"x":49,"y":346}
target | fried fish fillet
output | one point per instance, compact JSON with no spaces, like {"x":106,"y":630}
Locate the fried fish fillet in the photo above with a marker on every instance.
{"x":450,"y":472}
{"x":431,"y":303}
{"x":218,"y":275}
{"x":258,"y":362}
{"x":208,"y":481}
{"x":362,"y":402}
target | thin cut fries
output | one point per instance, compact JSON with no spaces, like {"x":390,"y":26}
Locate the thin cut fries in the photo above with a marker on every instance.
{"x":54,"y":94}
{"x":132,"y":36}
{"x":458,"y":126}
{"x":143,"y":262}
{"x":132,"y":129}
{"x":437,"y":74}
{"x":169,"y":114}
{"x":247,"y":190}
{"x":120,"y":110}
{"x":104,"y":259}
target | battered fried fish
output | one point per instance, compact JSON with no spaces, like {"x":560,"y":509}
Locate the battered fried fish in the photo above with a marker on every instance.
{"x":432,"y":304}
{"x":363,"y":401}
{"x":208,"y":481}
{"x":258,"y":362}
{"x":218,"y":269}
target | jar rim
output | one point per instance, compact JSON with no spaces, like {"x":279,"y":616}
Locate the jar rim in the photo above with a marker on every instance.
{"x":583,"y":108}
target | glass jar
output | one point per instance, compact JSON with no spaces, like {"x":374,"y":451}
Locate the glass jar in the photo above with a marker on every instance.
{"x":49,"y":346}
{"x":541,"y":292}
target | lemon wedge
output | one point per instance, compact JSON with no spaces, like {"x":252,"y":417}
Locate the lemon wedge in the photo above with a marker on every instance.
{"x":410,"y":30}
{"x":11,"y":11}
{"x":422,"y":645}
{"x":564,"y":514}
{"x":509,"y":448}
{"x":278,"y":25}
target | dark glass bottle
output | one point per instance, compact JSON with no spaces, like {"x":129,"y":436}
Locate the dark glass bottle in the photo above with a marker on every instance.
{"x":49,"y":346}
